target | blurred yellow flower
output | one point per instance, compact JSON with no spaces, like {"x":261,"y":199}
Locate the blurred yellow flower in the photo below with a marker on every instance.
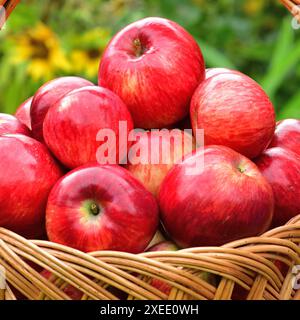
{"x":85,"y":57}
{"x":40,"y":49}
{"x":86,"y":61}
{"x":252,"y":7}
{"x":96,"y":36}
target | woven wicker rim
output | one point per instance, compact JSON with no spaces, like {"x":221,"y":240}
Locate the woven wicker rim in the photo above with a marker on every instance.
{"x":248,"y":263}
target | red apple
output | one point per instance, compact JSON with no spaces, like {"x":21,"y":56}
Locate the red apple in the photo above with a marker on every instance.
{"x":239,"y":293}
{"x":235,"y":112}
{"x":210,"y":72}
{"x":10,"y":125}
{"x":163,"y":246}
{"x":287,"y":135}
{"x":28,"y":173}
{"x":23,"y":113}
{"x":225,"y":200}
{"x":154,"y":65}
{"x":282,"y":170}
{"x":72,"y":125}
{"x":170,"y":146}
{"x":47,"y":96}
{"x":101,"y":208}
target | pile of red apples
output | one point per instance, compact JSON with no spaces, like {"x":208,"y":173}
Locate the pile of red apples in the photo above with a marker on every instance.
{"x":151,"y":76}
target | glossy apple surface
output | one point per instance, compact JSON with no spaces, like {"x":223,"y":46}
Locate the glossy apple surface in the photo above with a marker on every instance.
{"x":287,"y":135}
{"x":47,"y":96}
{"x":170,"y":146}
{"x":11,"y":125}
{"x":235,"y":112}
{"x":101,"y":208}
{"x":282,"y":170}
{"x":210,"y":72}
{"x":154,"y":65}
{"x":28,"y":173}
{"x":227,"y":200}
{"x":72,"y":125}
{"x":23,"y":113}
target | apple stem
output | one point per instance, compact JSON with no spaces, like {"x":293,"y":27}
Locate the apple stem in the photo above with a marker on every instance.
{"x":95,"y":209}
{"x":138,"y":47}
{"x":241,"y":169}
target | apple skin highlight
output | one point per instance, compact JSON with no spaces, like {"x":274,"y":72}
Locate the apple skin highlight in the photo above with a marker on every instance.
{"x":234,"y":111}
{"x":25,"y":184}
{"x":229,"y":200}
{"x":154,"y":66}
{"x":101,"y":208}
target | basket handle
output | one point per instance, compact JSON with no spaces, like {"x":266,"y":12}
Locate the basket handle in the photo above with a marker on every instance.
{"x":6,"y":8}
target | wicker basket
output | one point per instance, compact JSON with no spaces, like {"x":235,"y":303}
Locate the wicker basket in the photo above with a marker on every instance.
{"x":293,"y":6}
{"x":260,"y":267}
{"x":9,"y":6}
{"x":254,"y":268}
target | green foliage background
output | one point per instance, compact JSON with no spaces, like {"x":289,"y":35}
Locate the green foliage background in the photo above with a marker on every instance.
{"x":254,"y":36}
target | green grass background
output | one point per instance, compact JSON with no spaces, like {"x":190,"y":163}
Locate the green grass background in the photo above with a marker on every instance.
{"x":254,"y":36}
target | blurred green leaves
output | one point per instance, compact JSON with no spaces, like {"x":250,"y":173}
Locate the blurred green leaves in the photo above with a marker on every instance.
{"x":254,"y":36}
{"x":213,"y":57}
{"x":285,"y":59}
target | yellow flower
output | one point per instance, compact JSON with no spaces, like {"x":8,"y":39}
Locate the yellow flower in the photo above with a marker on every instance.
{"x":88,"y":50}
{"x":40,"y":49}
{"x":86,"y":61}
{"x":98,"y":35}
{"x":252,"y":7}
